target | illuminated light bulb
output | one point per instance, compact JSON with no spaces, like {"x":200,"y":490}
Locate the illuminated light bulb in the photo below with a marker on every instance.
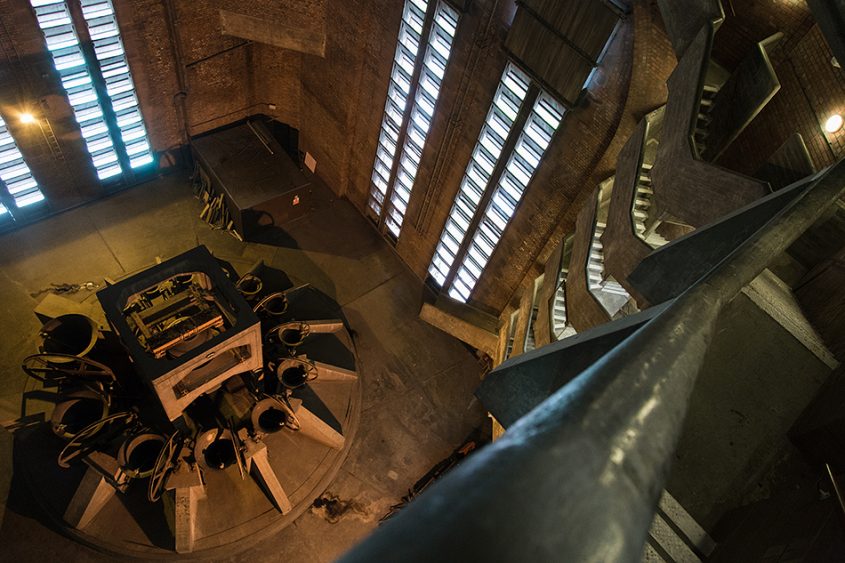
{"x":27,"y":118}
{"x":833,"y":123}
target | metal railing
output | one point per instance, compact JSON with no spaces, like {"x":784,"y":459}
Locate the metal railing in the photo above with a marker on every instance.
{"x":578,"y":478}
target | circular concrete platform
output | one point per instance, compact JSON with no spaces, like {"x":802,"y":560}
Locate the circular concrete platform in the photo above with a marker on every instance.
{"x":233,"y":513}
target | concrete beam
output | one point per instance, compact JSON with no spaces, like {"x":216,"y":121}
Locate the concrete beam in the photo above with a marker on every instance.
{"x":308,"y":41}
{"x":469,"y":325}
{"x":511,"y":390}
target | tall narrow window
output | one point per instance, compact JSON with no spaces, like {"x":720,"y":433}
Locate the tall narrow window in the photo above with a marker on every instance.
{"x":491,"y":191}
{"x":15,"y":174}
{"x":108,"y":48}
{"x":532,"y":144}
{"x":102,"y":140}
{"x":513,"y":87}
{"x":63,"y":43}
{"x":408,"y":126}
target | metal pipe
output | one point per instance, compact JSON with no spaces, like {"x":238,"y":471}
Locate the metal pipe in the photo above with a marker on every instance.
{"x":179,"y":99}
{"x":833,"y":481}
{"x":578,"y":478}
{"x":480,"y":42}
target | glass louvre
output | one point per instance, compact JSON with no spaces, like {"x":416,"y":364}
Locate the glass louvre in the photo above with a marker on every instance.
{"x":536,"y":135}
{"x":404,"y":62}
{"x":63,"y":43}
{"x":507,"y":102}
{"x":15,"y":173}
{"x":431,"y":78}
{"x":108,"y":48}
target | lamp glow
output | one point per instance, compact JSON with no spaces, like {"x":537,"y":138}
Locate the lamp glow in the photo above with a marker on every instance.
{"x":833,"y":123}
{"x":27,"y":118}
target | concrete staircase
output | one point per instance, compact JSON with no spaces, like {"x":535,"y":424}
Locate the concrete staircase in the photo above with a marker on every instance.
{"x":764,"y":365}
{"x":595,"y":267}
{"x":675,"y":536}
{"x":702,"y":123}
{"x":644,"y":225}
{"x":560,"y":324}
{"x":606,"y":290}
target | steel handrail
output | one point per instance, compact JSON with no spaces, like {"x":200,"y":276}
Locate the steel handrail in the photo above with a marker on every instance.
{"x":579,"y":477}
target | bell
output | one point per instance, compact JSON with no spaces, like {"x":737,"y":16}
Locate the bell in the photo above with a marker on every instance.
{"x":216,"y":449}
{"x":268,"y":416}
{"x":250,"y":286}
{"x":81,"y":409}
{"x":73,"y":335}
{"x":275,"y":305}
{"x":293,"y":334}
{"x":137,"y":456}
{"x":295,"y":373}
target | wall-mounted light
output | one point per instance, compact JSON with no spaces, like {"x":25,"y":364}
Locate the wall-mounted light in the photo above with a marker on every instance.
{"x":833,"y":123}
{"x":27,"y":118}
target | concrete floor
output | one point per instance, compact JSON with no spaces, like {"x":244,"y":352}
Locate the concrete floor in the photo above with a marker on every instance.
{"x":417,"y":381}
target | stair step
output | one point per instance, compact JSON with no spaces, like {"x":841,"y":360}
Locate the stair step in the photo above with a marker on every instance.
{"x":615,"y":290}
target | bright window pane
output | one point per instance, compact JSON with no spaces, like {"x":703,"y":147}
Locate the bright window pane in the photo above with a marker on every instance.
{"x":63,"y":43}
{"x":120,"y":89}
{"x":510,"y":188}
{"x":497,"y":127}
{"x":15,"y":173}
{"x":434,"y":62}
{"x":396,"y":106}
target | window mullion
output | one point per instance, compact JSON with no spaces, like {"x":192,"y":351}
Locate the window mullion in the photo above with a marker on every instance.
{"x":411,"y":9}
{"x":419,"y":116}
{"x":510,"y":144}
{"x":7,"y":202}
{"x":406,"y":116}
{"x":99,"y":84}
{"x":19,"y":187}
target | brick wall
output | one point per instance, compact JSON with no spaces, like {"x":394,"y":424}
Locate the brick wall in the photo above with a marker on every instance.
{"x":471,"y":81}
{"x":337,"y":102}
{"x":348,"y":82}
{"x":581,"y":154}
{"x":811,"y":90}
{"x":225,"y":79}
{"x":651,"y":62}
{"x":28,"y":83}
{"x":749,"y":21}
